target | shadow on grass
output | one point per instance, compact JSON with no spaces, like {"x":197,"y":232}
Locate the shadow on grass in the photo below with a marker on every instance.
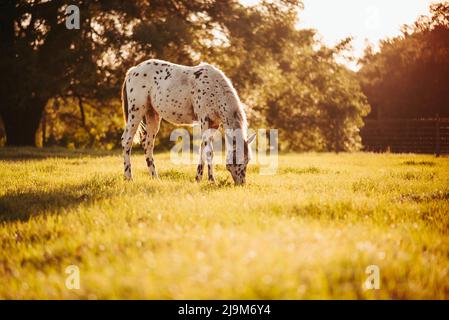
{"x":29,"y":153}
{"x":439,"y":195}
{"x":175,"y":175}
{"x":306,"y":170}
{"x":220,"y":184}
{"x":23,"y":205}
{"x":418,"y":163}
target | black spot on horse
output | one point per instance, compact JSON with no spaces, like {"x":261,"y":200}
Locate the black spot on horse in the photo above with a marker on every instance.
{"x":198,"y":73}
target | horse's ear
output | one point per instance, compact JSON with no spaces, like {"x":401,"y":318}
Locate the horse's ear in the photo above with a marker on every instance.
{"x":252,"y":138}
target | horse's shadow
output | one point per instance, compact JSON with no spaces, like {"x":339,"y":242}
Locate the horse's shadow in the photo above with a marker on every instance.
{"x":22,"y":205}
{"x":31,"y":153}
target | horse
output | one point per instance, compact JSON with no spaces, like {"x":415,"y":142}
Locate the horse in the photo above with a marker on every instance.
{"x":184,"y":95}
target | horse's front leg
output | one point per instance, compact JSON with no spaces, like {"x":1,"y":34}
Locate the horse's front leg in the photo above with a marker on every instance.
{"x":210,"y":169}
{"x":210,"y":160}
{"x":200,"y":168}
{"x":206,"y":156}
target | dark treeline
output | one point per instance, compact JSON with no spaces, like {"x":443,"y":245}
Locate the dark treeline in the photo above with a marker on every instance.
{"x":61,"y":86}
{"x":409,"y":77}
{"x":407,"y":85}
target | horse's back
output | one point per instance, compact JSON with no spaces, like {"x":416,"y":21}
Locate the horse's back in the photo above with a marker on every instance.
{"x":168,"y":86}
{"x":184,"y":94}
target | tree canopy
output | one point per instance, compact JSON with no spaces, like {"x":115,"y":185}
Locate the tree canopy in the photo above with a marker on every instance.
{"x":409,"y":76}
{"x":65,"y":83}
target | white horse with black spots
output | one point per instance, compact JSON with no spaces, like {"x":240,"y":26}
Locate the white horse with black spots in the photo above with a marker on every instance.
{"x":183,"y":95}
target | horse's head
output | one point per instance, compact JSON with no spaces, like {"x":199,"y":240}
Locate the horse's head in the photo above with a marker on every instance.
{"x":238,"y":160}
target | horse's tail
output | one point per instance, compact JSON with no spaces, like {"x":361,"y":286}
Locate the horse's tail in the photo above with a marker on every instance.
{"x":140,"y":137}
{"x":141,"y":131}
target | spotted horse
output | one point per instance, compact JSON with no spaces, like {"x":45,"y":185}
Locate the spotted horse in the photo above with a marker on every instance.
{"x":184,"y":95}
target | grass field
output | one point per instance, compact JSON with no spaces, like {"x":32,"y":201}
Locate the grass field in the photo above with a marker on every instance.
{"x":308,"y":232}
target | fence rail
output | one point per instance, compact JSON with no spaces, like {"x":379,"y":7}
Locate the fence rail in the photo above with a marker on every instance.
{"x":407,"y":135}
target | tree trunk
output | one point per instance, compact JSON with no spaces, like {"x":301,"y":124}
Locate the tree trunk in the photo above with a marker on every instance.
{"x":21,"y":124}
{"x":44,"y":129}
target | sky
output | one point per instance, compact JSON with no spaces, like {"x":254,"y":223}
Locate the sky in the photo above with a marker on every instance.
{"x":367,"y":21}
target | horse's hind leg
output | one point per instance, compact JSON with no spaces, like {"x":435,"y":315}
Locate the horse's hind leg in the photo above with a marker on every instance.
{"x":135,"y":115}
{"x":153,"y":122}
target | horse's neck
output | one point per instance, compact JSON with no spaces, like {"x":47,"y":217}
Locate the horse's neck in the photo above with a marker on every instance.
{"x":234,"y":117}
{"x":234,"y":125}
{"x":235,"y":129}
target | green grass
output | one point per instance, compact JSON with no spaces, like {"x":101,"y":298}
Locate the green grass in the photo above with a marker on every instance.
{"x":308,"y":232}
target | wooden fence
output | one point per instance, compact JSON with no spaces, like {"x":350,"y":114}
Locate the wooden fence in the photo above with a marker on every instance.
{"x":407,"y":135}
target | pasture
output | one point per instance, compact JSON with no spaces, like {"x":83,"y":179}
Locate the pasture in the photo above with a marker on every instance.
{"x":310,"y":231}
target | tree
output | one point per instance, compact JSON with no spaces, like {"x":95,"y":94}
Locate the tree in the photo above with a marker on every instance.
{"x":315,"y":102}
{"x":42,"y":59}
{"x":409,"y":76}
{"x":289,"y":80}
{"x":288,"y":83}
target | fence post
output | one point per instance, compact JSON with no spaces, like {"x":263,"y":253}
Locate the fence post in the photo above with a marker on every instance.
{"x":437,"y":136}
